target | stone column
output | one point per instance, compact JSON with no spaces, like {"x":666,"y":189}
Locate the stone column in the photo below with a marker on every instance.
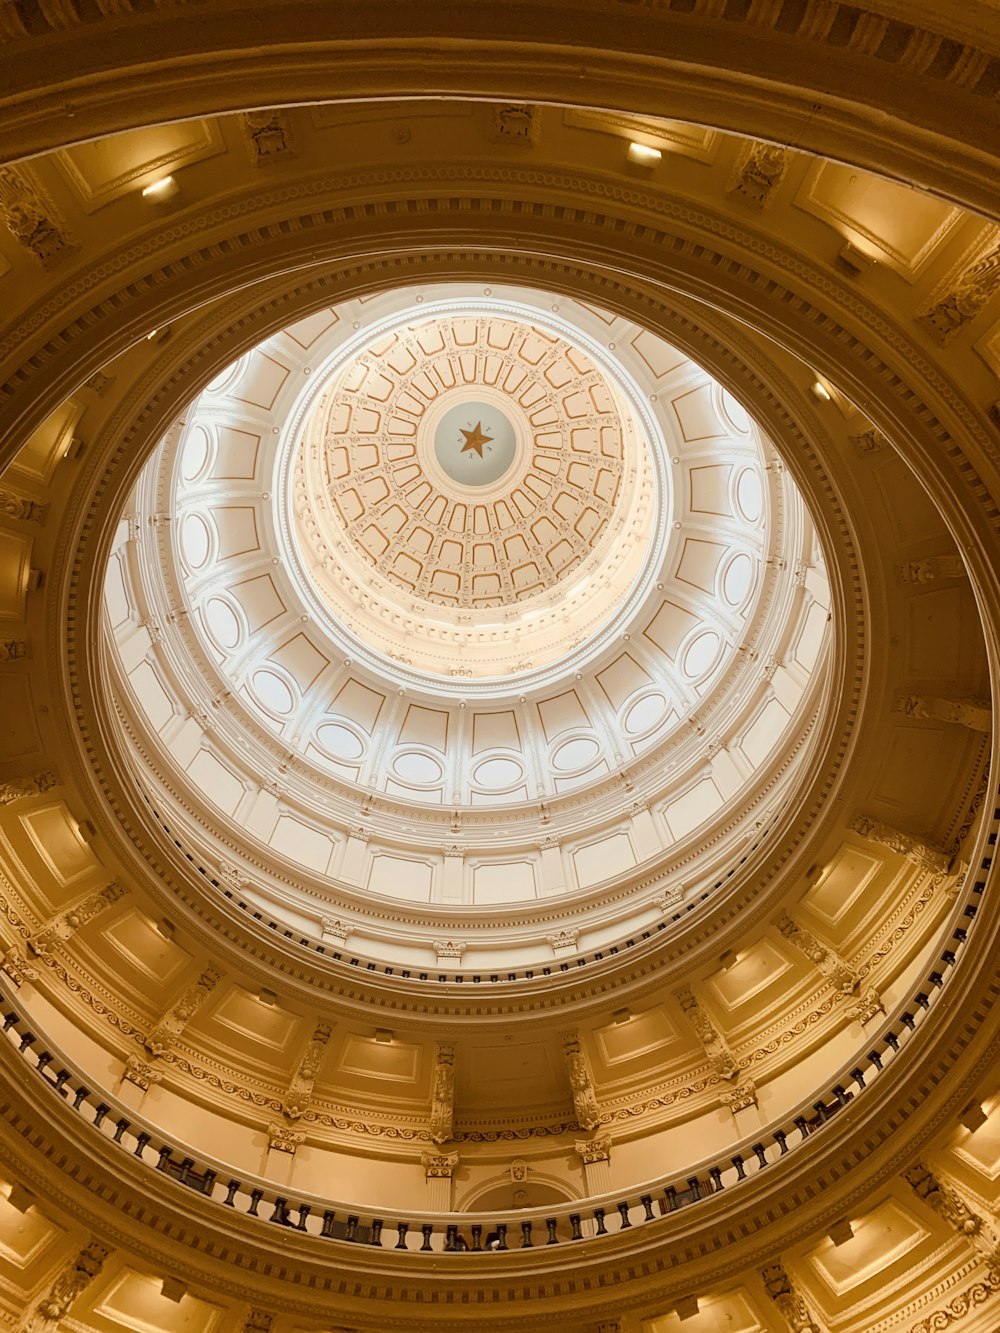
{"x":438,"y":1170}
{"x":595,"y":1154}
{"x":282,"y":1145}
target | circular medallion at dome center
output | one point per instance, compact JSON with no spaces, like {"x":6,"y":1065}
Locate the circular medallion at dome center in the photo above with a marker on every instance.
{"x":475,"y":443}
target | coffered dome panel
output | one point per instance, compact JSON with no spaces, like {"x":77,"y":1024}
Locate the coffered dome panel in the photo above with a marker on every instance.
{"x":362,"y":736}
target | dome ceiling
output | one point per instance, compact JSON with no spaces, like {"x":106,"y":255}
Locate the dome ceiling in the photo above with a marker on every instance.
{"x":325,"y":722}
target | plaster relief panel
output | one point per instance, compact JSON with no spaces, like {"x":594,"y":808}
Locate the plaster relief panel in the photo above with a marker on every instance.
{"x":935,"y":619}
{"x":306,"y":846}
{"x":255,"y":1025}
{"x":104,"y":170}
{"x":844,"y":887}
{"x":401,"y":876}
{"x":56,"y":837}
{"x":133,"y":1303}
{"x":504,"y":881}
{"x":884,"y":1242}
{"x":26,"y":1240}
{"x":215,"y":781}
{"x":19,"y":735}
{"x":393,"y":1062}
{"x":901,"y":227}
{"x":697,"y":804}
{"x":141,"y":948}
{"x":755,"y":970}
{"x":235,"y":455}
{"x":646,"y":1037}
{"x":603,"y":859}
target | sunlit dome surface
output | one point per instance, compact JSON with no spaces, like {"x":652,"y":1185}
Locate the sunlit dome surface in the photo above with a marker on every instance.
{"x":463,"y":599}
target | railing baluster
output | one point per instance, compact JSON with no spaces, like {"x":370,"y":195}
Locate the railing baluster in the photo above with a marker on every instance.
{"x":599,"y":1219}
{"x":623,"y":1214}
{"x":526,"y":1242}
{"x":375,"y":1237}
{"x":574,"y":1221}
{"x":550,"y":1223}
{"x":328,"y":1220}
{"x":647,"y":1203}
{"x":401,"y":1229}
{"x":426,"y":1229}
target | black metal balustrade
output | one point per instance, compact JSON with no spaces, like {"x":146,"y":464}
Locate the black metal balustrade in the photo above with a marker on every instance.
{"x":467,"y":1232}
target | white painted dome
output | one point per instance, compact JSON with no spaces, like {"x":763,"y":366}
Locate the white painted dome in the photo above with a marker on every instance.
{"x":369,"y":701}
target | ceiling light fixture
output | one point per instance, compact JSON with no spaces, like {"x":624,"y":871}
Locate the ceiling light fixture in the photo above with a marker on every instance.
{"x":822,"y":392}
{"x":642,"y":155}
{"x":687,"y":1307}
{"x":383,"y":1036}
{"x":841,"y":1232}
{"x":164,"y":188}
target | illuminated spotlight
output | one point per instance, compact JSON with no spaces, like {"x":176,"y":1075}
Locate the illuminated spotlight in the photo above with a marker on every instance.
{"x":165,"y":188}
{"x":822,"y":392}
{"x":642,"y":155}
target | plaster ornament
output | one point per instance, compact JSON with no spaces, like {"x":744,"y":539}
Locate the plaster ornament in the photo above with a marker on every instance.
{"x":760,"y":169}
{"x":519,"y":125}
{"x":69,"y":922}
{"x":99,"y":382}
{"x":300,"y":1089}
{"x":789,"y":1300}
{"x":69,"y":1284}
{"x":719,"y":1055}
{"x":670,"y":898}
{"x":443,"y":1097}
{"x":18,"y":507}
{"x":518,"y":1170}
{"x":170,"y":1026}
{"x":982,"y":1232}
{"x":930,"y":568}
{"x":18,"y":968}
{"x":975,"y":714}
{"x":268,"y":135}
{"x":919,"y":850}
{"x":33,"y":785}
{"x":581,"y":1082}
{"x":258,"y":1321}
{"x":868,"y":1006}
{"x":334,"y":930}
{"x":140,"y":1073}
{"x":975,"y":287}
{"x":438,"y":1165}
{"x":827,"y":960}
{"x":449,"y":949}
{"x":596,"y":1149}
{"x":562,"y":939}
{"x":14,"y":650}
{"x":740,"y":1097}
{"x":31,"y":218}
{"x":281,"y":1138}
{"x":870,"y":441}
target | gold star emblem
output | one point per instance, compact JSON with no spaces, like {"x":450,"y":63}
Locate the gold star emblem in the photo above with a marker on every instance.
{"x":475,"y":439}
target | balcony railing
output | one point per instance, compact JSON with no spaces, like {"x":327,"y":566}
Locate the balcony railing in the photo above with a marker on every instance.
{"x":419,"y":1232}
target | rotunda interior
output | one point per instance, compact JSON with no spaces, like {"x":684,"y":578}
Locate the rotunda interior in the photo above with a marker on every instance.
{"x":498,"y":583}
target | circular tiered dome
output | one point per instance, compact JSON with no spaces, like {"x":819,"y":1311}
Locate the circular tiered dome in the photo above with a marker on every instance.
{"x":403,"y":678}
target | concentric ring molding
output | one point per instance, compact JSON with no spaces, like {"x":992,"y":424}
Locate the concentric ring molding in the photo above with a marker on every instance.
{"x":713,"y":466}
